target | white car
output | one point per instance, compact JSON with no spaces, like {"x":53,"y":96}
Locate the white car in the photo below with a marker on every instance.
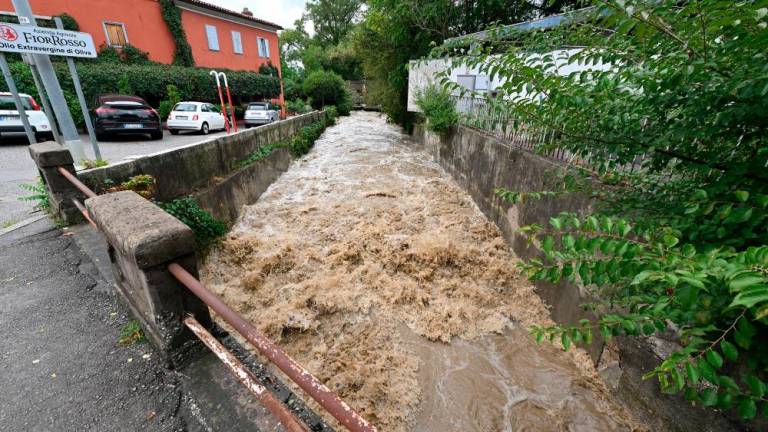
{"x":10,"y":121}
{"x":259,"y":113}
{"x":198,"y":116}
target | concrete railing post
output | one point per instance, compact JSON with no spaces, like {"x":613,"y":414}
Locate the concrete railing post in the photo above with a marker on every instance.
{"x":48,"y":157}
{"x":143,"y":239}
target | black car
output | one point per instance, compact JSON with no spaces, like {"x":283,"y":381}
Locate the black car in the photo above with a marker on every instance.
{"x":121,"y":114}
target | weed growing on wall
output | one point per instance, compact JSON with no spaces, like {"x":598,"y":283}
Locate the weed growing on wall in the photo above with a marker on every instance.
{"x":205,"y":227}
{"x":90,"y":163}
{"x":438,"y":108}
{"x":39,"y":195}
{"x":131,"y":333}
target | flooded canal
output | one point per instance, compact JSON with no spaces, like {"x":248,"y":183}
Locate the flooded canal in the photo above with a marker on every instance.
{"x":371,"y":267}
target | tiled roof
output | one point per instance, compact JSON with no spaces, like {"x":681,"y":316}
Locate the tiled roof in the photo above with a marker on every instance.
{"x":225,"y":11}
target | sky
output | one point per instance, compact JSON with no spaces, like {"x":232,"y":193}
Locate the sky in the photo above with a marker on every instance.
{"x":283,"y":12}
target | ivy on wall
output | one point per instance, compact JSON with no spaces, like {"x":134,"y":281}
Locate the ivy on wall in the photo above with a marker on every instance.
{"x":182,"y":56}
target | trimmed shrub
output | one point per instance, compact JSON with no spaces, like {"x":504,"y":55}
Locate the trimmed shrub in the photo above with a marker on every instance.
{"x":327,"y":88}
{"x":438,"y":108}
{"x":150,"y":81}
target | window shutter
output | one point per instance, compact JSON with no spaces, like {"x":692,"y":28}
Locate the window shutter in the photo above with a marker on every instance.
{"x":266,"y":47}
{"x":260,"y":47}
{"x":213,"y":37}
{"x":237,"y":43}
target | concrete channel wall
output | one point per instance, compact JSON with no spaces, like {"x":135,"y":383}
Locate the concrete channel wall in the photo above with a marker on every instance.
{"x":209,"y":170}
{"x":479,"y":163}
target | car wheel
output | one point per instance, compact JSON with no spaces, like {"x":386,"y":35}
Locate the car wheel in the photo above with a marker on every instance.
{"x":173,"y":131}
{"x":156,"y":135}
{"x":204,"y":129}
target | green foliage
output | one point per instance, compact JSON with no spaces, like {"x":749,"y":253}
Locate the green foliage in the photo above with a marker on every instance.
{"x":303,"y":141}
{"x":69,"y":22}
{"x":261,"y":153}
{"x":395,"y":32}
{"x":39,"y":194}
{"x":98,"y":163}
{"x":298,"y":106}
{"x":150,"y":81}
{"x":124,"y":86}
{"x":182,"y":56}
{"x":206,"y":228}
{"x":679,"y":244}
{"x":326,"y":88}
{"x":131,"y":333}
{"x":268,"y":69}
{"x":438,"y":108}
{"x":333,"y":19}
{"x":128,"y":54}
{"x":167,"y":105}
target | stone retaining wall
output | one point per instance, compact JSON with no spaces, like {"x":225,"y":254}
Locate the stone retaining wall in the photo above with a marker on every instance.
{"x":479,"y":163}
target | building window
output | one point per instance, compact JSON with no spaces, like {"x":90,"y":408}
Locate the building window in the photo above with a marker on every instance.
{"x":116,"y":36}
{"x":213,"y":37}
{"x":263,"y":47}
{"x":237,"y":43}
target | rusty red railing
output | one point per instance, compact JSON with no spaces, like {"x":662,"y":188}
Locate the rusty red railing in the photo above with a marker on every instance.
{"x":335,"y":406}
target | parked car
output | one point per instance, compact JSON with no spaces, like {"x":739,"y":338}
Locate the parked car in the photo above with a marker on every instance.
{"x":259,"y":113}
{"x":197,"y":116}
{"x":121,"y":114}
{"x":10,"y":121}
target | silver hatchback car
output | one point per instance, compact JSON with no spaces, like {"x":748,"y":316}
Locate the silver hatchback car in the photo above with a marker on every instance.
{"x":260,"y":113}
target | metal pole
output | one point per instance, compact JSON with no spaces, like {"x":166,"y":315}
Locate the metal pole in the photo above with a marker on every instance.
{"x":44,"y":100}
{"x":285,"y":417}
{"x":81,"y":98}
{"x":17,"y":99}
{"x":229,"y":97}
{"x":51,"y":83}
{"x":221,"y":98}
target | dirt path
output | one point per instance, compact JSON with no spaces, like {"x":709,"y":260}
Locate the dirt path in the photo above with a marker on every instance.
{"x":376,"y":271}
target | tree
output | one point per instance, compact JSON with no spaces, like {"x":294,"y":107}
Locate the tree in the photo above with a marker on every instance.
{"x":680,"y":243}
{"x":327,"y":88}
{"x":394,"y":32}
{"x":333,"y":19}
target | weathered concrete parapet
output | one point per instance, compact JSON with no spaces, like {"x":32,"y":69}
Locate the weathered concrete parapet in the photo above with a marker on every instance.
{"x":48,"y":157}
{"x":143,"y":239}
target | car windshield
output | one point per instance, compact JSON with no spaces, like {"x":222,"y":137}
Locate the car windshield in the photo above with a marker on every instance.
{"x":6,"y":103}
{"x":257,"y":107}
{"x":186,"y":107}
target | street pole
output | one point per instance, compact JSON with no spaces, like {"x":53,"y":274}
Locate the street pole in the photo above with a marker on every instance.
{"x":44,"y":100}
{"x":17,"y":99}
{"x":229,"y":97}
{"x":81,"y":98}
{"x":52,"y":87}
{"x":221,"y":98}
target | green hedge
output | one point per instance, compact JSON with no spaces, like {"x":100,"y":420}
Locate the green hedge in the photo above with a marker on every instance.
{"x":150,"y":81}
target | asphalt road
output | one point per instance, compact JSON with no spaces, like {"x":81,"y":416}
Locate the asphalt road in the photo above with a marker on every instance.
{"x":17,"y":168}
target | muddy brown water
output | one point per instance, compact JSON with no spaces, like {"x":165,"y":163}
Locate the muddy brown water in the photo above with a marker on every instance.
{"x":372,"y":268}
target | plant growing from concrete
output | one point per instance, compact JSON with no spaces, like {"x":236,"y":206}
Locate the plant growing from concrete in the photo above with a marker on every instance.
{"x":39,"y":194}
{"x":90,"y":164}
{"x":437,"y":106}
{"x":142,"y":184}
{"x":680,"y":244}
{"x":131,"y":333}
{"x":206,"y":228}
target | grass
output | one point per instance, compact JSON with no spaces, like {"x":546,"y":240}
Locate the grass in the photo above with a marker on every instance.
{"x":7,"y":223}
{"x":131,"y":333}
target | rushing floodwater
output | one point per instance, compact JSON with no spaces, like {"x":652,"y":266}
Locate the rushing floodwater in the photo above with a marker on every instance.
{"x":378,"y":273}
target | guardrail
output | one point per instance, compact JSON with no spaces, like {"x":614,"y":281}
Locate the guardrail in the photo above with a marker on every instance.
{"x":52,"y":161}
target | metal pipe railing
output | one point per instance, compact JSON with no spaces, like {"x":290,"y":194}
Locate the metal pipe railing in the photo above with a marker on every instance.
{"x":76,"y":182}
{"x":303,"y":378}
{"x":283,"y":415}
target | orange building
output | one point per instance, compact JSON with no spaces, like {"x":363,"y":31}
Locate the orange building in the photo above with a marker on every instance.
{"x":220,"y":38}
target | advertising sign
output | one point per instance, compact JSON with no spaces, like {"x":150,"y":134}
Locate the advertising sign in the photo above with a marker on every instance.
{"x":40,"y":40}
